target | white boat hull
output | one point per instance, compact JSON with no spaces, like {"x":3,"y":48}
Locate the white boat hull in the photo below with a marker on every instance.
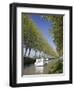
{"x":39,"y":62}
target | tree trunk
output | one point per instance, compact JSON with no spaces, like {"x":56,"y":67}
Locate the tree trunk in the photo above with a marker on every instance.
{"x":40,"y":54}
{"x":26,"y":51}
{"x":29,"y":51}
{"x":35,"y":52}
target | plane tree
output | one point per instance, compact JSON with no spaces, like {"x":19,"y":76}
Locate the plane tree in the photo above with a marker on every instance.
{"x":33,"y":38}
{"x":57,"y":31}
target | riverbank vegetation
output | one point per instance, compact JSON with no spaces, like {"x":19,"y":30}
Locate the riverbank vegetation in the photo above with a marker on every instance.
{"x":33,"y":38}
{"x":57,"y":31}
{"x":28,"y":61}
{"x":56,"y":66}
{"x":57,"y":34}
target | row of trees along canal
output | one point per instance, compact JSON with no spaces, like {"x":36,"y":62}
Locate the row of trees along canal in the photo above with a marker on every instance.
{"x":33,"y":38}
{"x":57,"y":31}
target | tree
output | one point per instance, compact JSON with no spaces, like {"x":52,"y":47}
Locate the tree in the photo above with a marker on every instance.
{"x":33,"y":38}
{"x":57,"y":31}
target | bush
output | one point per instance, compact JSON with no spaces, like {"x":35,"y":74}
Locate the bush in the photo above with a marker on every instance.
{"x":28,"y":60}
{"x":56,"y":67}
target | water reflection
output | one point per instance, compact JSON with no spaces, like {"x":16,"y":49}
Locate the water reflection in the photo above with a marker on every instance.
{"x":32,"y":69}
{"x":39,"y":69}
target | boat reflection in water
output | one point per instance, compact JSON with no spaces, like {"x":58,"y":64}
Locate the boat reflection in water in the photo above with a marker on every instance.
{"x":39,"y":67}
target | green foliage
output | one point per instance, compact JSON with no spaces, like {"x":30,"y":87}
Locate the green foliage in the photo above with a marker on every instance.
{"x":57,"y":31}
{"x":33,"y":38}
{"x":56,"y":67}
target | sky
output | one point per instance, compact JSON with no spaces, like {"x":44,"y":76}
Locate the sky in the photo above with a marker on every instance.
{"x":44,"y":27}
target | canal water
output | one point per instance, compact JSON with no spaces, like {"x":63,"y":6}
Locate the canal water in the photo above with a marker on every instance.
{"x":32,"y":69}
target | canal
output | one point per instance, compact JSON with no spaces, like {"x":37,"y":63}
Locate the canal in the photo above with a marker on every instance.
{"x":32,"y":69}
